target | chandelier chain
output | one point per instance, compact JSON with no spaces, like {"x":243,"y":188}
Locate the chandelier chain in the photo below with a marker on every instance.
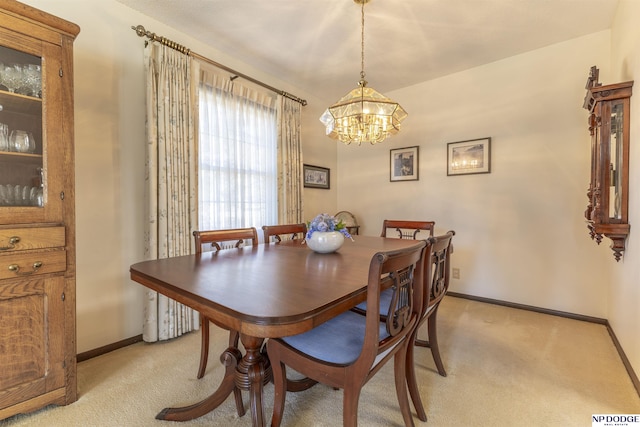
{"x":362,"y":44}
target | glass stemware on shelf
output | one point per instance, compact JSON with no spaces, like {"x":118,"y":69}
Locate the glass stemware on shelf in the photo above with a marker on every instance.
{"x":20,"y":195}
{"x":32,"y":80}
{"x":24,"y":79}
{"x":22,"y":141}
{"x":18,"y":141}
{"x":4,"y":137}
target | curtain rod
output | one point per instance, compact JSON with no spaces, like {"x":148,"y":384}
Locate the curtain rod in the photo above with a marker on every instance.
{"x":141,"y":32}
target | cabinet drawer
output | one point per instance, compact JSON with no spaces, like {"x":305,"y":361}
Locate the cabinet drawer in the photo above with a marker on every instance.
{"x":20,"y":239}
{"x":16,"y":266}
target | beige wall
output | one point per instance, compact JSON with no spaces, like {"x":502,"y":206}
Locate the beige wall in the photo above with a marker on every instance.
{"x":319,"y":150}
{"x":520,"y":238}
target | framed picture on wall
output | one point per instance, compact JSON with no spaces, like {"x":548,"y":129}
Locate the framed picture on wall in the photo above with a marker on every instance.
{"x":469,"y":157}
{"x":404,"y":164}
{"x":316,"y":177}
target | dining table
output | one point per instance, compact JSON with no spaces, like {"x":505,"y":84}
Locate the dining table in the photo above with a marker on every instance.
{"x":264,"y":291}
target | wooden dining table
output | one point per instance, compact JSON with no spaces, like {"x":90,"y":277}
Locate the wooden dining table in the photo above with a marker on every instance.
{"x":264,"y":291}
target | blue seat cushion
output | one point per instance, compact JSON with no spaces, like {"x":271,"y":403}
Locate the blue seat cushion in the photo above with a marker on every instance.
{"x":338,"y":340}
{"x":385,"y":302}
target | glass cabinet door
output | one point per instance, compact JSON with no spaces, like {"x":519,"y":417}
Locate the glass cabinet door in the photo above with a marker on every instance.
{"x":21,"y":160}
{"x":32,"y":150}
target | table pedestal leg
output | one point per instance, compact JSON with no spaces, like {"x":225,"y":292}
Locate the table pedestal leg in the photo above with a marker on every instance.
{"x":230,"y":359}
{"x":252,"y":373}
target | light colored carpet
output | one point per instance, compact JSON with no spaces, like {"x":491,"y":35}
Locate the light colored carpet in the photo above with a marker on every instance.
{"x":506,"y":367}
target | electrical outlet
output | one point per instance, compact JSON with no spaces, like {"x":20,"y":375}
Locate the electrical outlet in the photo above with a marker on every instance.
{"x":456,"y":272}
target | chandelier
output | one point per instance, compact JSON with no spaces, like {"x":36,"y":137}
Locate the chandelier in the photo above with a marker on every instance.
{"x":364,"y":114}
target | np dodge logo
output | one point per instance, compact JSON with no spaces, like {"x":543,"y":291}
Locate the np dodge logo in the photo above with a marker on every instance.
{"x":617,"y":420}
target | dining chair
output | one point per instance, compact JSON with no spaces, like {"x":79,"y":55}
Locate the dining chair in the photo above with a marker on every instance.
{"x":219,"y":240}
{"x":407,"y":229}
{"x":349,"y":349}
{"x":278,"y":232}
{"x":436,"y":283}
{"x":401,"y":229}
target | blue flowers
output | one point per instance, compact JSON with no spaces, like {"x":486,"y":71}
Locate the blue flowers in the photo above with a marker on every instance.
{"x":326,"y":222}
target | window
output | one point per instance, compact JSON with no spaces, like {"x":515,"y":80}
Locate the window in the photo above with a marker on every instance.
{"x":237,"y":155}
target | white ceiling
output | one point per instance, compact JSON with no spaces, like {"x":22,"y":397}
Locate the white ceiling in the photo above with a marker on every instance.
{"x":315,"y":44}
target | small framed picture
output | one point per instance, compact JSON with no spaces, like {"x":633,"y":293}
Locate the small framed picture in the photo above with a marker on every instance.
{"x":469,"y":157}
{"x":404,"y":164}
{"x":316,"y":177}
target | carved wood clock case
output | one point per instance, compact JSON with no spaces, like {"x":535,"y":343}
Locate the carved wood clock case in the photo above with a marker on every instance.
{"x":608,"y":193}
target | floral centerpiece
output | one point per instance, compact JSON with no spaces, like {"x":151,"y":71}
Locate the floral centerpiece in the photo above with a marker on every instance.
{"x":326,"y":234}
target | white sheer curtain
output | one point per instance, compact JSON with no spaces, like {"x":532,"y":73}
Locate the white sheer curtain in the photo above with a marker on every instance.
{"x":171,"y":180}
{"x":237,"y":148}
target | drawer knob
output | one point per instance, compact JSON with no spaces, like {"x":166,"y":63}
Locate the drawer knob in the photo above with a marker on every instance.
{"x":12,"y":244}
{"x":16,"y":269}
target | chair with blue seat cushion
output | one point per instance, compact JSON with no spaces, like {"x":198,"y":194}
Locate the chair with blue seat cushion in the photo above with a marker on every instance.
{"x":436,"y":284}
{"x":437,"y":275}
{"x":401,"y":229}
{"x":346,"y":351}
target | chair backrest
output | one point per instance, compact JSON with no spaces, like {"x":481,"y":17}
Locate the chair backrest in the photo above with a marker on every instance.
{"x":401,"y":271}
{"x":237,"y":237}
{"x":406,"y":229}
{"x":439,"y":271}
{"x":286,"y":232}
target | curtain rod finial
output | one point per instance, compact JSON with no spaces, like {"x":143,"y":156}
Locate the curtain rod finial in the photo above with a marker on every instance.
{"x":140,"y":31}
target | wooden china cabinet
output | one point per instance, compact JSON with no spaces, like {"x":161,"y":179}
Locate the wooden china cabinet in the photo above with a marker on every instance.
{"x":37,"y":213}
